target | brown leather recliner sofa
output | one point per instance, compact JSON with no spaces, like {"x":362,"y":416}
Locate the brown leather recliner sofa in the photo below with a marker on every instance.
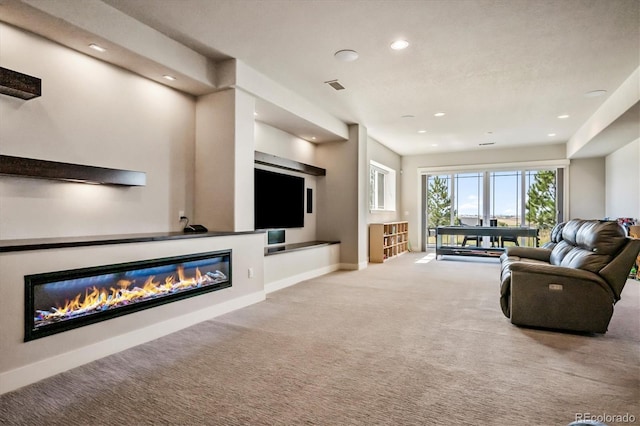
{"x":573,"y":282}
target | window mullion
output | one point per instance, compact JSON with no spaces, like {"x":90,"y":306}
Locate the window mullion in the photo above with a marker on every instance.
{"x":486,"y":196}
{"x":523,"y":197}
{"x":453,"y":200}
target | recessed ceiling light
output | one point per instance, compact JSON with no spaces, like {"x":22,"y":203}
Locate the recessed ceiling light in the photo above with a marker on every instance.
{"x":169,"y":77}
{"x":399,"y":44}
{"x":439,"y":114}
{"x":434,"y":144}
{"x":422,"y":131}
{"x":97,"y":47}
{"x":551,"y":134}
{"x":563,"y":116}
{"x":346,"y":55}
{"x":313,"y":138}
{"x":255,"y":114}
{"x":595,"y":93}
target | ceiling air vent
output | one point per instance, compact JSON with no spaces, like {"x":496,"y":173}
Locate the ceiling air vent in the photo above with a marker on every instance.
{"x":486,"y":143}
{"x":335,"y":84}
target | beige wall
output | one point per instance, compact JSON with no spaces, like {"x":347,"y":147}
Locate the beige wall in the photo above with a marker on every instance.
{"x":224,"y":161}
{"x":343,"y":196}
{"x":277,"y":142}
{"x":587,"y":188}
{"x":623,"y":182}
{"x":97,"y":114}
{"x":383,"y":155}
{"x":282,"y":144}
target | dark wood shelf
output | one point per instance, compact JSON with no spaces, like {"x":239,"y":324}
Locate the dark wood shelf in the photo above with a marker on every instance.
{"x":470,"y":251}
{"x":43,"y":169}
{"x":288,"y":248}
{"x":284,"y":163}
{"x":19,"y":85}
{"x":101,"y":240}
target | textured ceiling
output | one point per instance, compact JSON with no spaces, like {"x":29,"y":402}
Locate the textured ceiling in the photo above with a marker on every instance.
{"x":502,"y":71}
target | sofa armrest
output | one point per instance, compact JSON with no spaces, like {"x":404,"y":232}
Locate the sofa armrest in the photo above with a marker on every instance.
{"x":557,"y":297}
{"x":539,"y":274}
{"x":536,"y":253}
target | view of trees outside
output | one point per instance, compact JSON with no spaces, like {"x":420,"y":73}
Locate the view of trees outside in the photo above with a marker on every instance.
{"x":541,"y":200}
{"x":505,"y":199}
{"x":439,"y":201}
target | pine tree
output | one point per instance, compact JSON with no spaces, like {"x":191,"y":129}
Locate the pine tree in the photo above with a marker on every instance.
{"x":438,"y":202}
{"x":541,"y":200}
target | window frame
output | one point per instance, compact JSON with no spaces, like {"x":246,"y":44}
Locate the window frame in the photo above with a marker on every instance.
{"x":560,"y":166}
{"x":387,"y":191}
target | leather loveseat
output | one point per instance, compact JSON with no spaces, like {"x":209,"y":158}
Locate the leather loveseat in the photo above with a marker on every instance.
{"x":573,"y":282}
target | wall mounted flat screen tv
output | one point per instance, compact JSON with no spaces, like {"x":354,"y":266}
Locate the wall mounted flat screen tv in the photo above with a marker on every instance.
{"x":279,"y":200}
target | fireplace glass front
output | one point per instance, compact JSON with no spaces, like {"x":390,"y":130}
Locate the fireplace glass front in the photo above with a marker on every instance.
{"x":63,"y":300}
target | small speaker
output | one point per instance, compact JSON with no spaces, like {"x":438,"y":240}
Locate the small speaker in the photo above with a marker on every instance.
{"x":309,"y":200}
{"x":275,"y":236}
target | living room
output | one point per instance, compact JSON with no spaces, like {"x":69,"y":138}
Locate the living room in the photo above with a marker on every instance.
{"x":196,"y":145}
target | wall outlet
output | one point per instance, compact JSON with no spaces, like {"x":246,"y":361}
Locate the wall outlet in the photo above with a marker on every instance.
{"x":180,"y":214}
{"x":250,"y":272}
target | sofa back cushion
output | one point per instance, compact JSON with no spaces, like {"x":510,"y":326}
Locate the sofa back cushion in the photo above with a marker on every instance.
{"x":588,"y":244}
{"x":559,"y":252}
{"x":555,"y":236}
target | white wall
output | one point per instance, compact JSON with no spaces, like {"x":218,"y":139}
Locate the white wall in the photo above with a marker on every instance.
{"x":97,"y":114}
{"x":623,"y":182}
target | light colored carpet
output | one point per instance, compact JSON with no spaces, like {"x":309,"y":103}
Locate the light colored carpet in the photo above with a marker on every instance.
{"x":408,"y":342}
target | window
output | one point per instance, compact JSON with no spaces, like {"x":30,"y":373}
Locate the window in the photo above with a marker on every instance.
{"x":528,"y":196}
{"x":468,"y":199}
{"x":382,"y":187}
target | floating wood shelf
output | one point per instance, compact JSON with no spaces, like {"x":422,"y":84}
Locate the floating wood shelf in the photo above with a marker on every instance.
{"x":19,"y":85}
{"x":42,"y":169}
{"x":284,"y":163}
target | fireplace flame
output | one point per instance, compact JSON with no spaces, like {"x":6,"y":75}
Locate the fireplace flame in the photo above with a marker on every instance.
{"x":124,"y":293}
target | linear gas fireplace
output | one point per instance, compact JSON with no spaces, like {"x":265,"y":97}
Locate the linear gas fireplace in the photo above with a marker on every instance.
{"x":63,"y":300}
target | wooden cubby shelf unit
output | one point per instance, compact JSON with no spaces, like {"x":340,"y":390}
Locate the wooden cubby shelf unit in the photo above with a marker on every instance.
{"x":388,"y":240}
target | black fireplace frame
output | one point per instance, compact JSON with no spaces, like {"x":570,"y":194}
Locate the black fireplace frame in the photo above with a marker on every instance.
{"x":31,"y":281}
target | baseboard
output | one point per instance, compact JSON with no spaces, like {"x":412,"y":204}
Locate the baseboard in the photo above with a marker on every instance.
{"x":14,"y":379}
{"x":295,"y":279}
{"x":354,"y":266}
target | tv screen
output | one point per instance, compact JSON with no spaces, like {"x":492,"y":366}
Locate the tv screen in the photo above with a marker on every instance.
{"x":279,"y":200}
